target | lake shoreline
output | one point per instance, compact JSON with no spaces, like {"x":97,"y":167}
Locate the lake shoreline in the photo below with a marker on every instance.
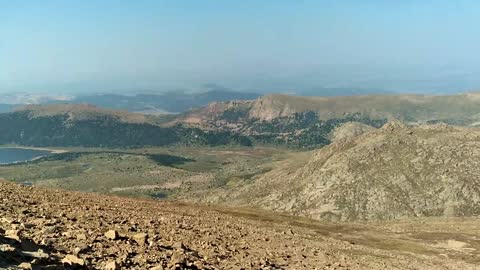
{"x":53,"y":151}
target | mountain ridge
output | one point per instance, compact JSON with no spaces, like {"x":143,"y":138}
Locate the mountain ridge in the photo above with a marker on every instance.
{"x":396,"y":171}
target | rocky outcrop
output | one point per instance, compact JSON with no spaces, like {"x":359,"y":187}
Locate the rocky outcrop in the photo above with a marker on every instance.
{"x":348,"y":131}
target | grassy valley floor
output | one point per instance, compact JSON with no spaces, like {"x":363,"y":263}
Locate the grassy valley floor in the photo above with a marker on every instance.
{"x":145,"y":172}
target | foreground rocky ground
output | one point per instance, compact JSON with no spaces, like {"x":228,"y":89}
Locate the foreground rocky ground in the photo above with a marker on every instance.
{"x":51,"y":229}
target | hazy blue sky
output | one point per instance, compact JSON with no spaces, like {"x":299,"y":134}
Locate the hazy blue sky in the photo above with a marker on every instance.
{"x":406,"y":45}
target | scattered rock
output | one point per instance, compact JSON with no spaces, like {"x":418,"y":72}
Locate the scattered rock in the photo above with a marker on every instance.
{"x":140,"y":238}
{"x":73,"y":260}
{"x":13,"y":234}
{"x":81,"y":237}
{"x":178,"y":245}
{"x":113,"y":265}
{"x":185,"y":236}
{"x":25,"y":266}
{"x":40,"y":254}
{"x":111,"y":234}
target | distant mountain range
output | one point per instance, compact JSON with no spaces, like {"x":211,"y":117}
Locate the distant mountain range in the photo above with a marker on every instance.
{"x":339,"y":91}
{"x":179,"y":101}
{"x":162,"y":103}
{"x":169,"y":102}
{"x":301,"y":122}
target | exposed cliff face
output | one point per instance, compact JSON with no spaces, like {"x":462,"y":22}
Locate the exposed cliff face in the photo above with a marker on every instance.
{"x":214,"y":113}
{"x":462,"y":109}
{"x":272,"y":106}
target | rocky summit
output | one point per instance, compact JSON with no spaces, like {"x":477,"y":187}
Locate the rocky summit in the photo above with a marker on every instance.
{"x":394,"y":172}
{"x":51,"y":229}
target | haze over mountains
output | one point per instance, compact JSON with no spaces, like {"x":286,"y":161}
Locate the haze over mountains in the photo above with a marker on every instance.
{"x":162,"y":102}
{"x":170,"y":102}
{"x":304,"y":122}
{"x":149,"y":103}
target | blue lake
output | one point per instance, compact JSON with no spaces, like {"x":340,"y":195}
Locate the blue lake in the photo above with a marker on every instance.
{"x":12,"y":155}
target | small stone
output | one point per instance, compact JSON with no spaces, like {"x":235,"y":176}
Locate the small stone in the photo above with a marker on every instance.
{"x":7,"y":220}
{"x":25,"y":266}
{"x":77,"y":251}
{"x":6,"y":248}
{"x":178,"y":245}
{"x":13,"y":234}
{"x":26,"y":225}
{"x":48,"y":230}
{"x":177,"y":258}
{"x":23,"y":211}
{"x":73,"y":260}
{"x":158,"y":267}
{"x":113,"y":265}
{"x":39,"y":254}
{"x":47,"y":241}
{"x":111,"y":234}
{"x":81,"y":237}
{"x":67,"y":234}
{"x":140,"y":238}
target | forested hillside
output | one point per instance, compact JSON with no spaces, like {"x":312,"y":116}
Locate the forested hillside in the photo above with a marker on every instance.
{"x":102,"y":131}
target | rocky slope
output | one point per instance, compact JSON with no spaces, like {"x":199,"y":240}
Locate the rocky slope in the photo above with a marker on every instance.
{"x":394,"y":172}
{"x":46,"y":229}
